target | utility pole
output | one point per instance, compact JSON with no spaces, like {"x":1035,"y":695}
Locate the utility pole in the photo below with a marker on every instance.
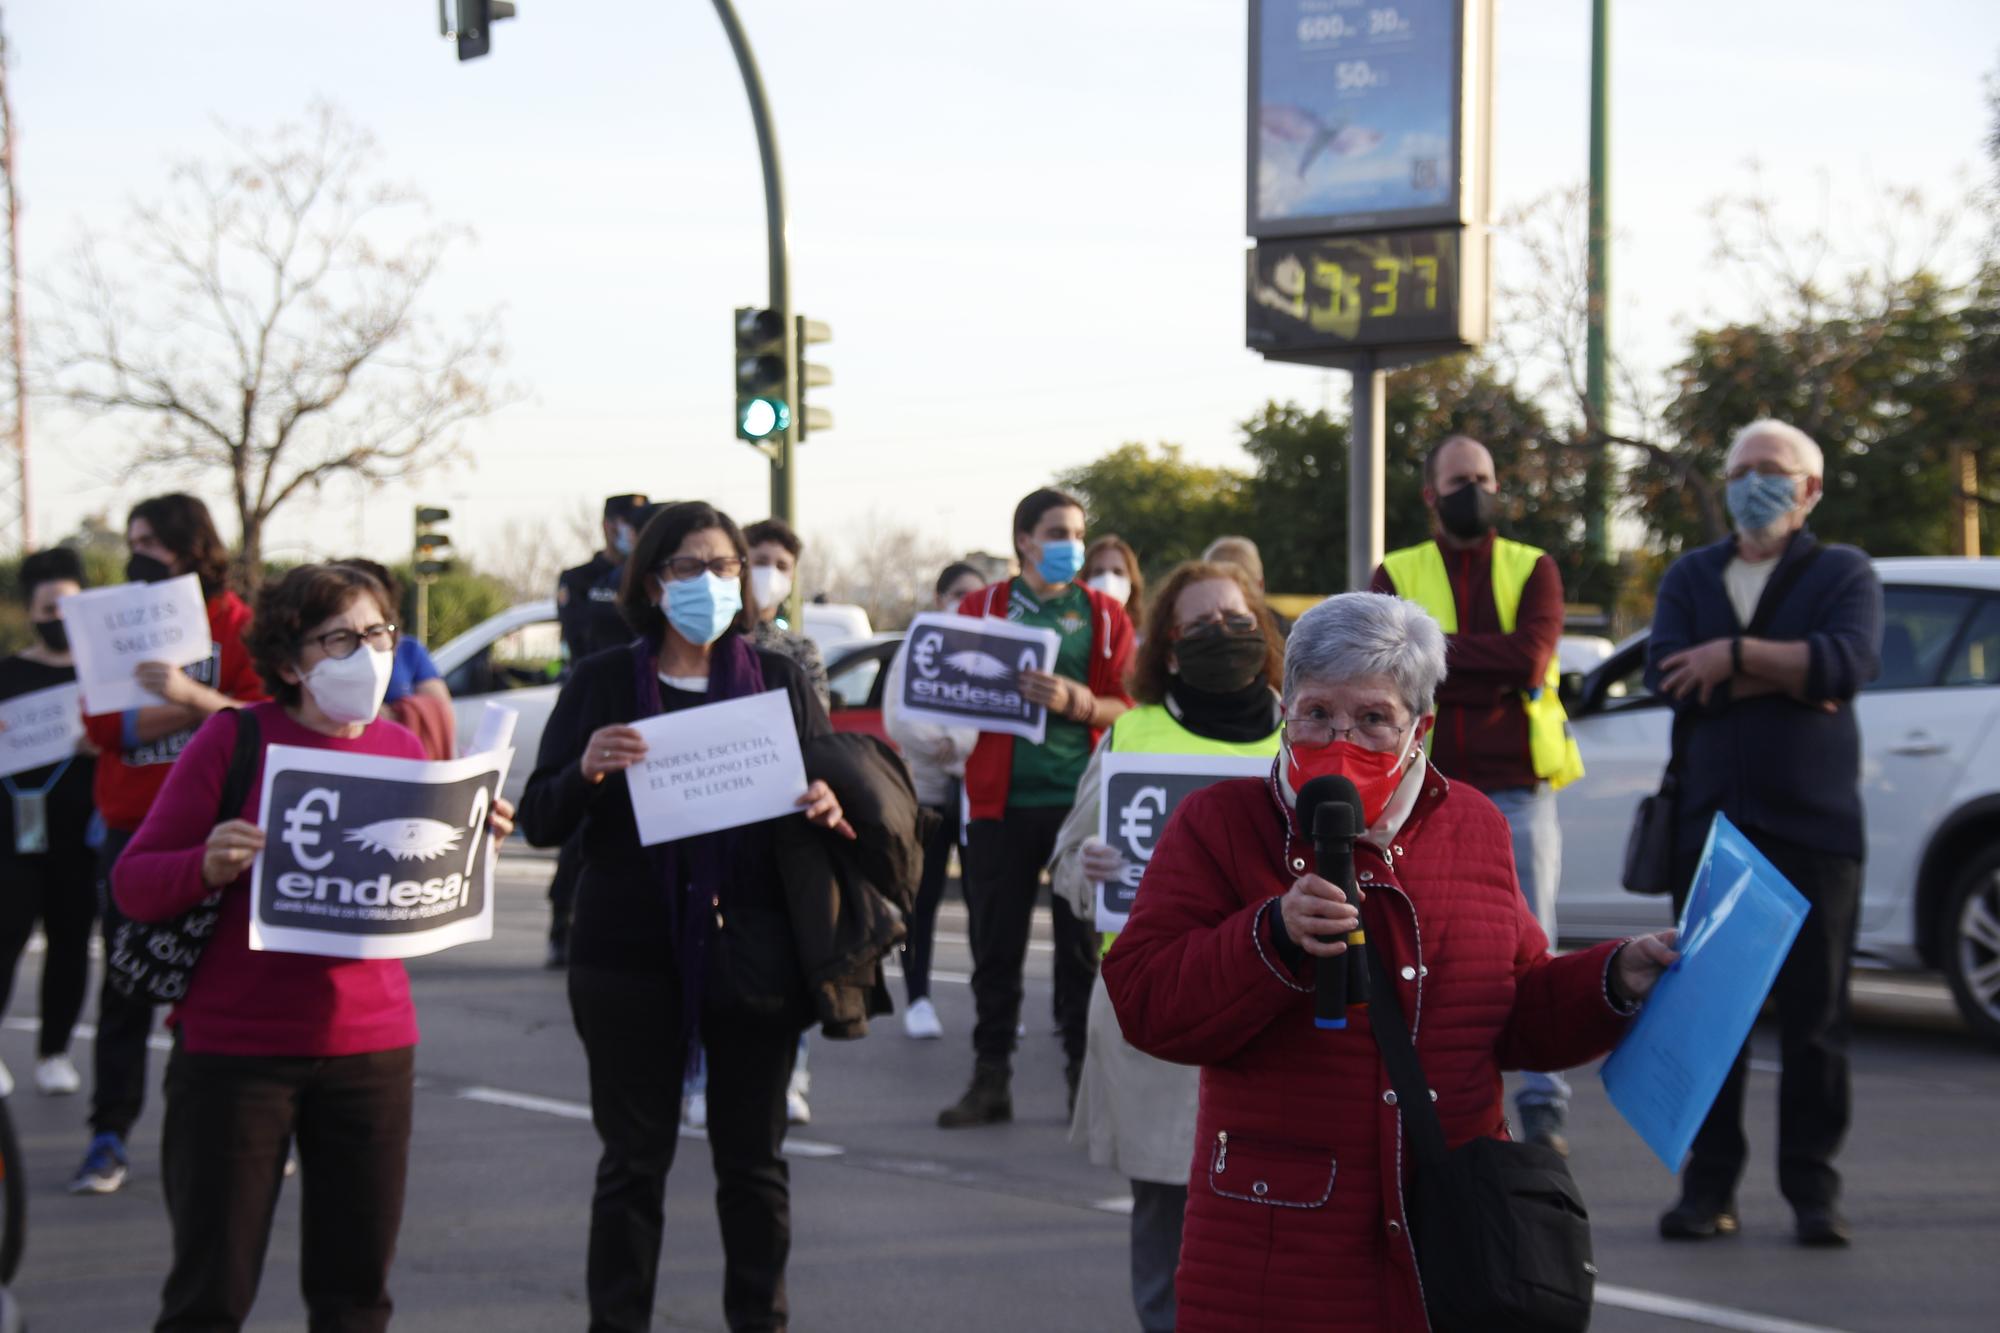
{"x":22,"y":520}
{"x":1367,"y":455}
{"x":783,"y":440}
{"x":1597,"y":356}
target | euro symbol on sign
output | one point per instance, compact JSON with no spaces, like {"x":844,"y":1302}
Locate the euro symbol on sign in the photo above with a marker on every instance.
{"x":1135,"y":820}
{"x":302,"y":823}
{"x":924,"y":653}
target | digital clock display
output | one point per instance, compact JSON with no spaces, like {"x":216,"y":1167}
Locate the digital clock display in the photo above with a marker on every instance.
{"x":1327,"y":295}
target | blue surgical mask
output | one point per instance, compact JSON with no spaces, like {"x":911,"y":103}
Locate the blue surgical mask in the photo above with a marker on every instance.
{"x":1060,"y":561}
{"x":1757,"y":501}
{"x":621,"y":539}
{"x":701,"y":609}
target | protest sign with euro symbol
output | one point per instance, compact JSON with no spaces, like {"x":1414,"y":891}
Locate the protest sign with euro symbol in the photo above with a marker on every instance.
{"x":1139,"y":794}
{"x":965,"y":671}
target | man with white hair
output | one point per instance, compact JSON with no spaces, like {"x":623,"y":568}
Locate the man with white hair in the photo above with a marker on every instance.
{"x":1760,"y":642}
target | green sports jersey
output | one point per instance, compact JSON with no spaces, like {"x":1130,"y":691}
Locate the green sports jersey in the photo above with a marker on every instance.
{"x":1046,"y":775}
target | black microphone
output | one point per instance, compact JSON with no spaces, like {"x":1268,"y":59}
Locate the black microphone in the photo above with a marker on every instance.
{"x":1331,"y":807}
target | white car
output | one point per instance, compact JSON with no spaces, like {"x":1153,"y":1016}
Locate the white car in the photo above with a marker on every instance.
{"x":1930,"y":786}
{"x":513,"y":658}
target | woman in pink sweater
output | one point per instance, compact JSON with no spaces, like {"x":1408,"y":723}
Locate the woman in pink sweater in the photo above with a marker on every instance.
{"x":275,"y":1047}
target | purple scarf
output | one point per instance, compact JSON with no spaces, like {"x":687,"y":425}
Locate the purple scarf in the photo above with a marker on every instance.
{"x":733,"y":673}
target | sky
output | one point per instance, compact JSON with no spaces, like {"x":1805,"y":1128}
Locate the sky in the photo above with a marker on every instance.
{"x":1023,"y":222}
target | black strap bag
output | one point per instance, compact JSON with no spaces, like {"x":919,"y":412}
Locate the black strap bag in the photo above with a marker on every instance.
{"x":1502,"y":1237}
{"x":1649,"y":843}
{"x":154,"y":959}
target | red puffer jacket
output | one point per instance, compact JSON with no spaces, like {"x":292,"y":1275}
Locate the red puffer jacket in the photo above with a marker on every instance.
{"x":1295,"y":1216}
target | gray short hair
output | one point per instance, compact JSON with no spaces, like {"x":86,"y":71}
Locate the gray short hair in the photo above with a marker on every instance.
{"x":1360,"y":634}
{"x":1806,"y":453}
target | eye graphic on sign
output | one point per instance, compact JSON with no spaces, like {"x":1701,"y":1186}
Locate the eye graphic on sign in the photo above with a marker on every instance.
{"x":302,"y":824}
{"x":924,"y":653}
{"x":978,"y":665}
{"x":407,"y":839}
{"x":1135,"y":820}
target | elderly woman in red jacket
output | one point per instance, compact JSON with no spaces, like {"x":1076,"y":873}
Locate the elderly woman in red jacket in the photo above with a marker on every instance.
{"x":1295,"y":1214}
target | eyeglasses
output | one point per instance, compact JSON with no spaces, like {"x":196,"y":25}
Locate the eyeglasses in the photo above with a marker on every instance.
{"x":1773,"y":469}
{"x":343,"y":642}
{"x":1214,"y":624}
{"x":1376,"y":730}
{"x":681,"y":568}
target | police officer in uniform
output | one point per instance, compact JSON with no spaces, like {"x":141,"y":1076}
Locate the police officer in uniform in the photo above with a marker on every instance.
{"x":587,"y":612}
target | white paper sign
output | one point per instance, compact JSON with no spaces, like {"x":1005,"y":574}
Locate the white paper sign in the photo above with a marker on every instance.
{"x":40,"y":728}
{"x":717,"y":766}
{"x":964,"y":671}
{"x":496,"y":729}
{"x":367,"y":856}
{"x":113,"y":630}
{"x":1137,"y":795}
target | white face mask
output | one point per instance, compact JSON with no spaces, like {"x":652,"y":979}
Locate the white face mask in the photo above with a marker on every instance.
{"x":350,"y":689}
{"x":1115,"y":586}
{"x":769,"y":585}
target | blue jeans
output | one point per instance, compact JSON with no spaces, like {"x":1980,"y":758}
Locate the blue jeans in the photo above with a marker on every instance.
{"x":1531,"y":813}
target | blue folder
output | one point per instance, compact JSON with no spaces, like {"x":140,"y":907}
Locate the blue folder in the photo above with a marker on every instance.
{"x":1738,"y":925}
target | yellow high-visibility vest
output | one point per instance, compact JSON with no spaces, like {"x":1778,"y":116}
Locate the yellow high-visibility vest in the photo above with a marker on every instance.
{"x":1151,"y":729}
{"x":1420,"y":575}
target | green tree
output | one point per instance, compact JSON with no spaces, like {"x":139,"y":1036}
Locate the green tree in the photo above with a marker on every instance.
{"x":1167,"y":507}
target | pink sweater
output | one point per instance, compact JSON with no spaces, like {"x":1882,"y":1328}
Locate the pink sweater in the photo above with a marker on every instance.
{"x":239,"y":1002}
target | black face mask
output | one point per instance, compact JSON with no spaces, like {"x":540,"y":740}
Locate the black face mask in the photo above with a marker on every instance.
{"x":53,"y":634}
{"x":1470,"y":511}
{"x":1221,"y":663}
{"x":145,"y":569}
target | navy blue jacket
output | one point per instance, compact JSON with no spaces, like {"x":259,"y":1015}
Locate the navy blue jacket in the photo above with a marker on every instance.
{"x":1775,"y":765}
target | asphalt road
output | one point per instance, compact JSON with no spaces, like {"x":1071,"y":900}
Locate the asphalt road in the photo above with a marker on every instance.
{"x":901,"y":1226}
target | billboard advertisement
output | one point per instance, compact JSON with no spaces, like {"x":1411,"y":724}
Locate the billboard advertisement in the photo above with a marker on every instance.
{"x":1355,"y":119}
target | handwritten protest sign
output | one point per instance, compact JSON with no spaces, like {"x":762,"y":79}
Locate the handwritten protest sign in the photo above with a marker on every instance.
{"x":965,"y":671}
{"x":717,"y":766}
{"x":39,"y":729}
{"x":1138,"y":795}
{"x":113,"y":630}
{"x":372,"y":857}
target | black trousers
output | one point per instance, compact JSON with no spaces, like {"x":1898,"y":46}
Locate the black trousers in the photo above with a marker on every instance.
{"x":1814,"y":1091}
{"x":562,"y":887}
{"x":58,"y":888}
{"x":230,"y":1122}
{"x":1004,"y":859}
{"x":118,"y":1058}
{"x":922,"y":921}
{"x":630,"y":1024}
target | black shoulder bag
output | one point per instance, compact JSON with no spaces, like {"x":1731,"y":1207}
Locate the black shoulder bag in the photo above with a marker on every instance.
{"x":154,"y":959}
{"x":1649,"y":844}
{"x":1502,"y":1238}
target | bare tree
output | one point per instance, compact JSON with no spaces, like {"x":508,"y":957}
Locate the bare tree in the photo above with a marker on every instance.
{"x":885,"y":567}
{"x":531,"y":552}
{"x":264,"y":321}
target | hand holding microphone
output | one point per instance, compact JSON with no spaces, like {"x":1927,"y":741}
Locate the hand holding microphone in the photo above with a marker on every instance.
{"x":1331,"y":808}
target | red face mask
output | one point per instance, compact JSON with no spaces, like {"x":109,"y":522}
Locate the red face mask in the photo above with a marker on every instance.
{"x":1374,"y":773}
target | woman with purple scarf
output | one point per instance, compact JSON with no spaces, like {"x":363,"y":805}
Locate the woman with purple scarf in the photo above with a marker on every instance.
{"x":645,"y":918}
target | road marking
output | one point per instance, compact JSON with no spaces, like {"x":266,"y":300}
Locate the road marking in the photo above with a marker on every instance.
{"x":1122,"y":1205}
{"x":1701,"y":1312}
{"x":568,"y":1110}
{"x":159,"y":1041}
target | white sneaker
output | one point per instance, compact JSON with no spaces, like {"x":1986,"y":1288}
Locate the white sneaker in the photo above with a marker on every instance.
{"x":796,"y":1110}
{"x":694,"y":1114}
{"x":920,"y":1021}
{"x":55,"y":1076}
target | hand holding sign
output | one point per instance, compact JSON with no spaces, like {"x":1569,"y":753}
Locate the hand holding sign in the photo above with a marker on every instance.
{"x":232,"y":846}
{"x":611,"y":750}
{"x":117,"y":633}
{"x":1102,"y":862}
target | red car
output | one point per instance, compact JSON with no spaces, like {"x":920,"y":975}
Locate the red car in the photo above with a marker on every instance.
{"x":856,"y":673}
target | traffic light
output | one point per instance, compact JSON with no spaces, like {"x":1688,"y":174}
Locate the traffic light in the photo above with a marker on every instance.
{"x":471,"y":21}
{"x":810,"y":376}
{"x":761,"y":353}
{"x":432,"y":554}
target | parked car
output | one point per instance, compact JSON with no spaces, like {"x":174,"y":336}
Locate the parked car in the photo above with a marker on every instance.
{"x":513,"y":658}
{"x":856,"y":674}
{"x":1930,"y":786}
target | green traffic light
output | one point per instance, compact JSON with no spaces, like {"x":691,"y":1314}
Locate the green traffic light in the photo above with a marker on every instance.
{"x":761,"y":418}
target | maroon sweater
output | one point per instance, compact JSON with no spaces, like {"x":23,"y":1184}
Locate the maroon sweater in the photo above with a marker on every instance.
{"x":241,"y":1002}
{"x":1482,"y":730}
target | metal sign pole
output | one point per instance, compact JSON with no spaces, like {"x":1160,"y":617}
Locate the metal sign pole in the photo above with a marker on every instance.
{"x":1367,"y":454}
